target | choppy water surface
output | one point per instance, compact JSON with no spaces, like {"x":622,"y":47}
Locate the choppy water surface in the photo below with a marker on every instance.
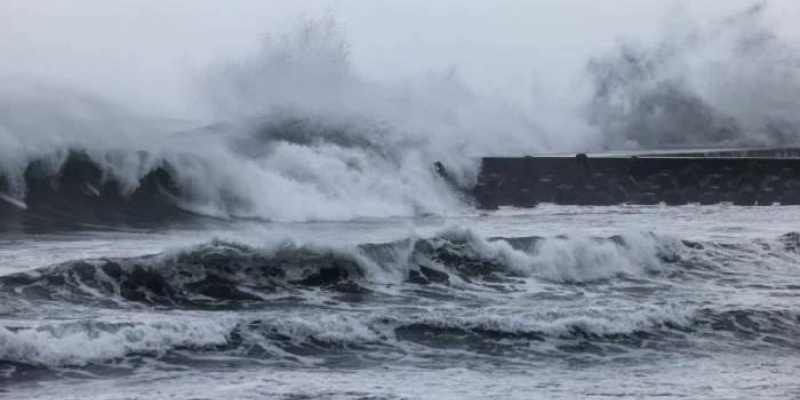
{"x":554,"y":302}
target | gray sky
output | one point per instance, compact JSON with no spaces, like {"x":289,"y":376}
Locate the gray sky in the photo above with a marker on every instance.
{"x":148,"y":51}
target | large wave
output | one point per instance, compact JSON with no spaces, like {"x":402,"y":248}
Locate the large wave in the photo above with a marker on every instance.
{"x":220,"y":273}
{"x":308,"y":338}
{"x":294,"y":132}
{"x":229,"y":274}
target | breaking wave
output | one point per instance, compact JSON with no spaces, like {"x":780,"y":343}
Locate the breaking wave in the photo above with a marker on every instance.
{"x":220,"y":271}
{"x":220,"y":274}
{"x":294,"y":133}
{"x":305,"y":304}
{"x":291,"y":133}
{"x":303,"y":337}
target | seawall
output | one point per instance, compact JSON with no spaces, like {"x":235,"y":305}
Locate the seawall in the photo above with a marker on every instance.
{"x":744,"y":177}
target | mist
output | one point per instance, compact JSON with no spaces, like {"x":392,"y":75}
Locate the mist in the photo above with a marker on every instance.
{"x":149,"y":52}
{"x":730,"y":83}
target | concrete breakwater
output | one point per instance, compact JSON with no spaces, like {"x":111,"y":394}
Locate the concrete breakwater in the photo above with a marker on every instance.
{"x":743,"y":177}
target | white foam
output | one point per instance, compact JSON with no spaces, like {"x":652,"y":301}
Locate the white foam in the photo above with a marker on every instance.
{"x":581,"y":259}
{"x":577,"y":258}
{"x":81,"y":343}
{"x":625,"y":319}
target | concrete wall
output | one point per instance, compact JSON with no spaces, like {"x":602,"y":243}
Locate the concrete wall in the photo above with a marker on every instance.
{"x":527,"y":181}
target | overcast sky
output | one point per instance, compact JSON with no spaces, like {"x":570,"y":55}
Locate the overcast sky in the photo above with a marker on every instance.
{"x":149,"y":50}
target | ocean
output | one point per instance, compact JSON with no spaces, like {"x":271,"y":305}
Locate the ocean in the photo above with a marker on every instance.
{"x":556,"y":302}
{"x":282,"y":200}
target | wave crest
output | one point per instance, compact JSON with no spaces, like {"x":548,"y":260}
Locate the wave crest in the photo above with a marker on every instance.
{"x":221,"y":273}
{"x":304,"y":337}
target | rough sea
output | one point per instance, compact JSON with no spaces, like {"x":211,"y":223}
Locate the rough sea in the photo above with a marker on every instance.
{"x":204,"y":202}
{"x":555,"y":302}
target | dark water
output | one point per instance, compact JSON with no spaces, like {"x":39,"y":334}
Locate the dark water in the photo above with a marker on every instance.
{"x":570,"y":302}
